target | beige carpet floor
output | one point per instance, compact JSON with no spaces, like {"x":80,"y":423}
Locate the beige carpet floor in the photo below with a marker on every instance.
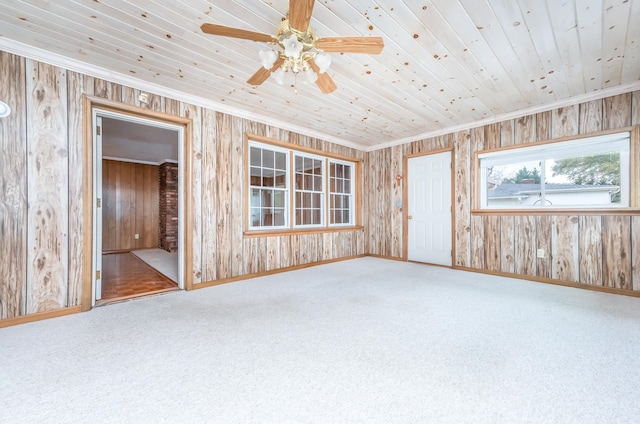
{"x":360,"y":341}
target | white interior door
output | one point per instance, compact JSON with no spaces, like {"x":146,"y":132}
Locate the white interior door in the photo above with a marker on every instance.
{"x":429,"y":209}
{"x":97,"y":208}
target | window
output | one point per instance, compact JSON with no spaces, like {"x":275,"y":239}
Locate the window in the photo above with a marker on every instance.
{"x":340,"y":193}
{"x":589,"y":172}
{"x":292,"y":189}
{"x":309,"y":190}
{"x":268,"y":190}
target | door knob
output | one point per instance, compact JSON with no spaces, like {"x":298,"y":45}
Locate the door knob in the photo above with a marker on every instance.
{"x":410,"y":216}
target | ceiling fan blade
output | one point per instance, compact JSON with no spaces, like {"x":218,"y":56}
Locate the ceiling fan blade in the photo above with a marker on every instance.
{"x":236,"y":33}
{"x":324,"y":81}
{"x":300,"y":14}
{"x":262,"y":74}
{"x":370,"y":45}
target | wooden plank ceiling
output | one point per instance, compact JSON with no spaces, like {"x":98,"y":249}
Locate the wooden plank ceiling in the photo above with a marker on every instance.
{"x":445,"y":64}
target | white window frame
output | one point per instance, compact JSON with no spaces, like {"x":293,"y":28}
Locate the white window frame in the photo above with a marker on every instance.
{"x":259,"y":142}
{"x":350,"y":196}
{"x":284,"y":190}
{"x":623,"y":140}
{"x":296,"y":190}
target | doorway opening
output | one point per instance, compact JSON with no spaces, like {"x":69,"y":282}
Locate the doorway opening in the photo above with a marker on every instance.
{"x":138,"y":181}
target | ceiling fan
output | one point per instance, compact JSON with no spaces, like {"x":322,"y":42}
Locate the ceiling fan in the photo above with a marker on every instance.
{"x":300,"y":51}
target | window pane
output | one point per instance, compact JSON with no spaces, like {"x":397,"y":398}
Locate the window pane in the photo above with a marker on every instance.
{"x":255,"y":217}
{"x":278,"y":199}
{"x":255,"y":197}
{"x":268,"y":159}
{"x":281,"y":161}
{"x":278,"y":217}
{"x":308,"y":182}
{"x":281,"y":179}
{"x":588,"y":175}
{"x":308,"y":165}
{"x":255,"y":155}
{"x":346,"y":216}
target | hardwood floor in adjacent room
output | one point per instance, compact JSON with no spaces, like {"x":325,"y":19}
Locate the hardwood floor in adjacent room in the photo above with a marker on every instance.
{"x":126,"y":276}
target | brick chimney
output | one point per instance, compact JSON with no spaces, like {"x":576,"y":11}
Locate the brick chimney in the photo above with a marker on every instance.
{"x":168,"y":231}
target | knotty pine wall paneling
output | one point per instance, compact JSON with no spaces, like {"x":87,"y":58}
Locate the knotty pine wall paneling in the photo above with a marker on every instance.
{"x":462,"y":203}
{"x":43,"y":159}
{"x":595,"y":250}
{"x":238,"y":188}
{"x":13,"y":188}
{"x":223,"y":181}
{"x":48,"y":188}
{"x":477,"y":223}
{"x":209,"y":194}
{"x":76,"y":87}
{"x":507,"y":222}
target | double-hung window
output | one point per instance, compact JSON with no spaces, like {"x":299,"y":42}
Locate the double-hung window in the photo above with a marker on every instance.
{"x":293,"y":189}
{"x":340,"y":193}
{"x":268,"y":188}
{"x":309,"y":190}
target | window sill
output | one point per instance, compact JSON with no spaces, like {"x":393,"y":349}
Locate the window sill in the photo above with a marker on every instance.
{"x":273,"y":233}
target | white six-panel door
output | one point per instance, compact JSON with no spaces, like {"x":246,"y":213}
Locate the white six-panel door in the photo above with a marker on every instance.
{"x":429,"y":209}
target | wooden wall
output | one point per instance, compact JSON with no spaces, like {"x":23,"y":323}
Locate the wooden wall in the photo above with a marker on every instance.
{"x":592,"y":250}
{"x":43,"y":155}
{"x":130,"y":205}
{"x":42,"y":159}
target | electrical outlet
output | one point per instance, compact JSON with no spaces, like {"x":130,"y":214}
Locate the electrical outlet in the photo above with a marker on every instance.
{"x":136,"y":236}
{"x":540,"y":253}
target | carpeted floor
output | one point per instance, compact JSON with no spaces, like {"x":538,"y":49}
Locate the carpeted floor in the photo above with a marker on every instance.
{"x":361,"y":341}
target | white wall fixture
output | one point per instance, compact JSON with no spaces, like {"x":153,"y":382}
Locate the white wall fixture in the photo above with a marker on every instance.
{"x":5,"y":110}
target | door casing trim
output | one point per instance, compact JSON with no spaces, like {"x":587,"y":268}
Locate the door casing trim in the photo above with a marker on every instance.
{"x":405,"y":201}
{"x":89,"y":104}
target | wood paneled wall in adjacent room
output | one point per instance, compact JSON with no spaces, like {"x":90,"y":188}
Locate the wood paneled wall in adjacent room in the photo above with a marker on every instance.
{"x":130,"y":205}
{"x":592,"y":250}
{"x":43,"y":159}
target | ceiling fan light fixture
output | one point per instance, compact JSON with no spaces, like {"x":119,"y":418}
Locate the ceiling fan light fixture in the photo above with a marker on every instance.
{"x":278,"y":75}
{"x":292,"y":46}
{"x":311,"y":76}
{"x":268,"y":58}
{"x":323,"y":61}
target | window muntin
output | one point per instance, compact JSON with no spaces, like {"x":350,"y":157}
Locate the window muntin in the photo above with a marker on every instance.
{"x":591,"y":172}
{"x":340,"y":193}
{"x":268,"y":190}
{"x":291,"y":189}
{"x":309,"y":190}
